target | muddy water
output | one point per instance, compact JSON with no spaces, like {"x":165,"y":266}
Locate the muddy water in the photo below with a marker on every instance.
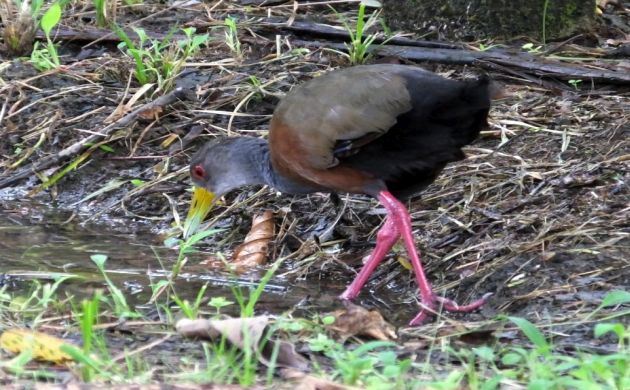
{"x":42,"y":246}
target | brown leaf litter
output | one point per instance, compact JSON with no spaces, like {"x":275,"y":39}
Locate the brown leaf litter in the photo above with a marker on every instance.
{"x":355,"y":320}
{"x":245,"y":334}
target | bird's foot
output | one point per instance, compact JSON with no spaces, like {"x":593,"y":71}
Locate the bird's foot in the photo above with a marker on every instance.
{"x":429,"y":308}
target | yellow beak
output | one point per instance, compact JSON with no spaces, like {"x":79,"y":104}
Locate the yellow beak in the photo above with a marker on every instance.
{"x":199,"y":207}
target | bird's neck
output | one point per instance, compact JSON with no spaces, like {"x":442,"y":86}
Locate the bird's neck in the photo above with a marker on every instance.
{"x":261,"y":171}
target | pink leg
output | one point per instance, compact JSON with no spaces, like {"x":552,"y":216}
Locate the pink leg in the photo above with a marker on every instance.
{"x":385,"y":239}
{"x":400,"y":216}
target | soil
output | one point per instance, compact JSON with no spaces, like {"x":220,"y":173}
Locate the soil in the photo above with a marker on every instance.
{"x":537,"y":214}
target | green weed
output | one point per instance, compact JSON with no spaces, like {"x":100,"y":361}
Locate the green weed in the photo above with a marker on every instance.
{"x":191,"y":311}
{"x":544,"y":22}
{"x":46,"y":58}
{"x":484,"y":47}
{"x":248,"y":304}
{"x":19,"y":19}
{"x":160,"y":61}
{"x":105,"y":12}
{"x":33,"y":306}
{"x":224,"y":364}
{"x":120,"y":305}
{"x":530,"y":48}
{"x":89,"y":318}
{"x":21,"y":367}
{"x":186,"y":247}
{"x":360,"y":43}
{"x":257,"y":88}
{"x":541,"y":366}
{"x":218,"y":303}
{"x":364,"y":365}
{"x":575,"y":84}
{"x":231,"y":38}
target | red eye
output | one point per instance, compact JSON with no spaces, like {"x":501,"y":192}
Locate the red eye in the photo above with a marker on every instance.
{"x":198,"y":172}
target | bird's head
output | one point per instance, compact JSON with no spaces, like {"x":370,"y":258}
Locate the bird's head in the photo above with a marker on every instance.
{"x":219,"y":167}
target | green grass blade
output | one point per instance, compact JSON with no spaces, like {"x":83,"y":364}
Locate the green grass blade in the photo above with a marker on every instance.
{"x":533,"y":334}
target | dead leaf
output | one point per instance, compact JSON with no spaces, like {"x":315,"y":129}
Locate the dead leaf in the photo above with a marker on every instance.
{"x":535,"y":175}
{"x":169,"y":140}
{"x":43,"y":346}
{"x":150,"y":113}
{"x":354,"y":320}
{"x":253,"y":251}
{"x":122,"y":109}
{"x":404,"y":261}
{"x":310,"y":382}
{"x":245,"y":333}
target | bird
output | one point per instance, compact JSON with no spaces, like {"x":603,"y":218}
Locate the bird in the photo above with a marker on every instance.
{"x":382,"y":130}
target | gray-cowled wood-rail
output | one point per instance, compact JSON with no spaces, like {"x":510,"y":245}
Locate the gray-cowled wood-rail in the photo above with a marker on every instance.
{"x":382,"y":130}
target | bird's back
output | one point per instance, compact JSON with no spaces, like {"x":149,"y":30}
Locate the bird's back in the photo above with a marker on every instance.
{"x":445,"y":115}
{"x":376,"y":125}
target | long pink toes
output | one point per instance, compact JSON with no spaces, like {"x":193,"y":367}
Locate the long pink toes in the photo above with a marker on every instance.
{"x":447,"y":305}
{"x":398,"y":224}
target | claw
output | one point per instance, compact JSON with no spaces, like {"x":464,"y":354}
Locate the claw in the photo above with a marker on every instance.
{"x":450,"y":305}
{"x":447,"y":305}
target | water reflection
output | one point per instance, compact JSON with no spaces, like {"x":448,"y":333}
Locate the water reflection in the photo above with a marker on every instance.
{"x":34,"y":246}
{"x":46,"y":247}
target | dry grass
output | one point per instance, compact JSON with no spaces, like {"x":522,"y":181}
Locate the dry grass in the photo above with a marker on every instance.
{"x":19,"y":26}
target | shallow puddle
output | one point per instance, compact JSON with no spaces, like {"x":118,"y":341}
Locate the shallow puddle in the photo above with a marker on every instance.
{"x":43,"y":247}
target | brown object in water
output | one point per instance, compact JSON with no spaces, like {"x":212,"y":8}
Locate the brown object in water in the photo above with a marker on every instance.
{"x":254,"y":249}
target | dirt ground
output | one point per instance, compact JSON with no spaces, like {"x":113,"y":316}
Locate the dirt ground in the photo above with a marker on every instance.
{"x":538,"y":213}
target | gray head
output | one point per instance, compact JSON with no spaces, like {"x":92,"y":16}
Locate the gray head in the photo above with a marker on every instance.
{"x":223,"y":165}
